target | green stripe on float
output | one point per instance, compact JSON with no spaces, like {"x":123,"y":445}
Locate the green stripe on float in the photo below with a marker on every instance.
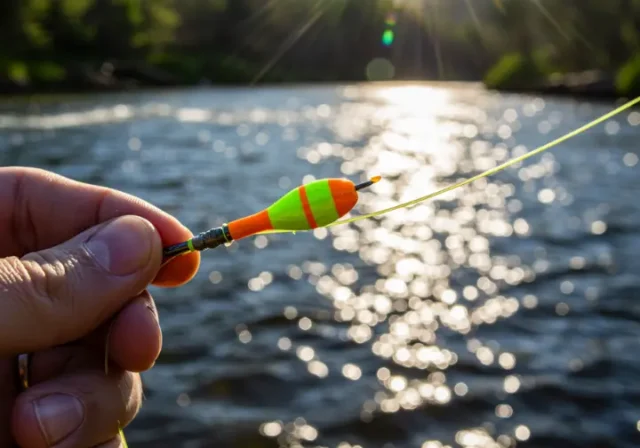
{"x":321,"y":202}
{"x":287,"y":212}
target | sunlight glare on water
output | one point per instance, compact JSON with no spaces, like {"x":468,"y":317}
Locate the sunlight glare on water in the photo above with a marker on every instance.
{"x":437,"y":273}
{"x":400,"y":316}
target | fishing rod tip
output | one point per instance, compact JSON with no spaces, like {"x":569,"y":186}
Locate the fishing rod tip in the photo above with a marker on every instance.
{"x":375,"y":179}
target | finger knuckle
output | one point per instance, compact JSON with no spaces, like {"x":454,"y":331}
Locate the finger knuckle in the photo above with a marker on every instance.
{"x":51,"y":274}
{"x":129,"y":392}
{"x":42,"y":284}
{"x":24,"y":281}
{"x":131,"y":389}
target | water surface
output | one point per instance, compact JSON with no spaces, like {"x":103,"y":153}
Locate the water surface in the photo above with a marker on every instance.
{"x":502,"y":314}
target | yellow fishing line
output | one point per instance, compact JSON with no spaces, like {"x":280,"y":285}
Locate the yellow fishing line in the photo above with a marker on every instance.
{"x":487,"y":173}
{"x":123,"y":439}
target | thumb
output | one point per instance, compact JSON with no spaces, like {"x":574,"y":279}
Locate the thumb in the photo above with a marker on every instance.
{"x":57,"y":295}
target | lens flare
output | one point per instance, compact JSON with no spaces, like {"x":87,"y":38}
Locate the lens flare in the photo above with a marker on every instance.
{"x":388,"y":38}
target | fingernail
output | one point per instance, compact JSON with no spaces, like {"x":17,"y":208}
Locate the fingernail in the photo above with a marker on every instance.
{"x":58,"y":416}
{"x":123,"y":246}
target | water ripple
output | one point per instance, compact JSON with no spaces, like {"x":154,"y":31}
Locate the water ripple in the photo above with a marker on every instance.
{"x":500,"y":314}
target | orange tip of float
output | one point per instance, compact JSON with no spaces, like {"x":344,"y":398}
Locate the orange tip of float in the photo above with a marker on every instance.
{"x":368,"y":183}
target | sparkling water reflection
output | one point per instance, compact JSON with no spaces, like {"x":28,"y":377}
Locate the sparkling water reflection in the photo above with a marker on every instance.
{"x":500,"y":314}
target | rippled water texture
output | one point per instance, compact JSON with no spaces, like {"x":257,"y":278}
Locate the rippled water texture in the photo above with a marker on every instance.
{"x":505,"y":313}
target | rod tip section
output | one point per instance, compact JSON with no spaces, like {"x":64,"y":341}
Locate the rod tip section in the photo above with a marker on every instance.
{"x":177,"y":249}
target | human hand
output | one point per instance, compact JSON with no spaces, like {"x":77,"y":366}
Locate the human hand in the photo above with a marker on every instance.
{"x":75,"y":262}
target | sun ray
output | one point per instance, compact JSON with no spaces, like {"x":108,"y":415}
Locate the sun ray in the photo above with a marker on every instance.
{"x":260,"y":12}
{"x":433,"y":28}
{"x":545,"y":12}
{"x":474,"y":16}
{"x":291,"y":41}
{"x":255,"y":31}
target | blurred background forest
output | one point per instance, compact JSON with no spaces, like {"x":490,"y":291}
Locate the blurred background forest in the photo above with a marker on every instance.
{"x":588,"y":46}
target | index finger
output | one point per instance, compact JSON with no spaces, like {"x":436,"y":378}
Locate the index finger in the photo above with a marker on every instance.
{"x":40,"y":209}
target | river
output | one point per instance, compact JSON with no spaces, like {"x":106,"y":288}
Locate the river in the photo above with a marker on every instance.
{"x":504,"y":313}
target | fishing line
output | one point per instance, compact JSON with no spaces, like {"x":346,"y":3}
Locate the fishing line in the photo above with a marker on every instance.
{"x":487,"y":173}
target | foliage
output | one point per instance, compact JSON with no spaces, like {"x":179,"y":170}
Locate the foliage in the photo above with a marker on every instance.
{"x":504,"y":42}
{"x":628,"y":79}
{"x":507,"y":71}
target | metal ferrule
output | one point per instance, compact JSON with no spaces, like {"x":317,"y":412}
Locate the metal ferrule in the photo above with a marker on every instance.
{"x":205,"y":240}
{"x":212,"y":238}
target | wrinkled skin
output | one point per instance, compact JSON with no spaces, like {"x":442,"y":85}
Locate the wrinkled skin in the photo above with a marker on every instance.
{"x":75,"y":263}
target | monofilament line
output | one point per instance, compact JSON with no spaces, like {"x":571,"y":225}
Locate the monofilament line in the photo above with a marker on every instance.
{"x":495,"y":170}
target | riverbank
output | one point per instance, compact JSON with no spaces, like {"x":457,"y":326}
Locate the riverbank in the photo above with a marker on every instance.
{"x":124,"y":76}
{"x":591,"y":84}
